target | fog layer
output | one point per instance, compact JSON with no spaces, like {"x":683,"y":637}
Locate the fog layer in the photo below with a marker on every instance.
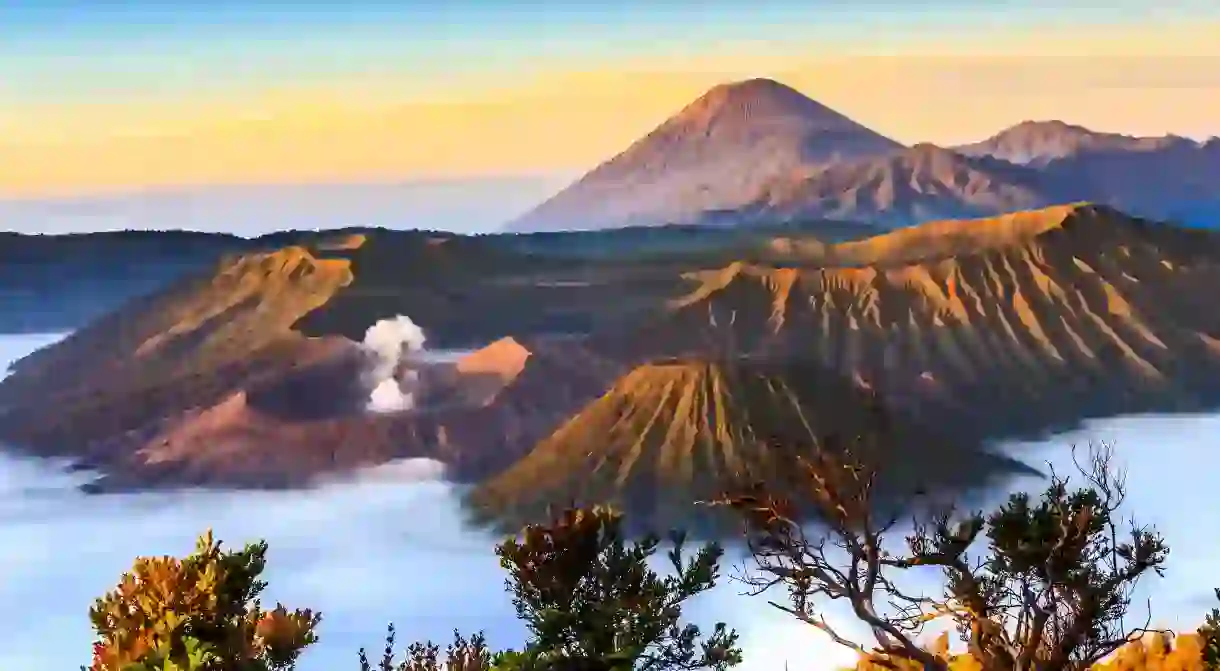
{"x":387,"y":545}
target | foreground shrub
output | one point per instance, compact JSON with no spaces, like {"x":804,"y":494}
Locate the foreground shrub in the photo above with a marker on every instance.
{"x":591,"y":603}
{"x":1210,"y":635}
{"x":200,"y":613}
{"x":1048,"y":591}
{"x":589,"y":597}
{"x":461,"y":655}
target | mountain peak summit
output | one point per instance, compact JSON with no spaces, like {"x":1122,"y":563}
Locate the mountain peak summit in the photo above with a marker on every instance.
{"x":725,"y":108}
{"x":758,"y":88}
{"x":1039,"y":142}
{"x":715,"y":154}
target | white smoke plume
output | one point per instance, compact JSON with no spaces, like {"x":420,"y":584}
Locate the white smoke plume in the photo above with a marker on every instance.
{"x":391,"y":342}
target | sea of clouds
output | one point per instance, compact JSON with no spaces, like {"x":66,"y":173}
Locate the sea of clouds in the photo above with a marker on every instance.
{"x":387,"y":545}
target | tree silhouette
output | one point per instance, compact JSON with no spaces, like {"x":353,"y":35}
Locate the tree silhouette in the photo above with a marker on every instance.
{"x":463,"y":654}
{"x":592,"y":603}
{"x":1039,"y":584}
{"x":1210,"y":633}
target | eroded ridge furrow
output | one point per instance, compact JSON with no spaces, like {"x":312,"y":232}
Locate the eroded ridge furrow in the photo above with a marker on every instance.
{"x":1093,"y":311}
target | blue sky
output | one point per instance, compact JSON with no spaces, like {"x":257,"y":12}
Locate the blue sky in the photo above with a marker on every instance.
{"x":53,"y":50}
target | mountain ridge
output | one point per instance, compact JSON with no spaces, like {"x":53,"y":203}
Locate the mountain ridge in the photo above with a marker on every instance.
{"x":1039,"y":142}
{"x":921,"y":183}
{"x":1007,"y":327}
{"x":749,"y":169}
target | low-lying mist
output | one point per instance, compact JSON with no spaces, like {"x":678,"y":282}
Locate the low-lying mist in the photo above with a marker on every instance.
{"x":388,"y":545}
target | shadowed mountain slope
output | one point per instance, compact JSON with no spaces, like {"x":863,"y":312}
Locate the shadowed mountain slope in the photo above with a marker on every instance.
{"x":1040,"y":142}
{"x":58,"y":283}
{"x":714,"y":154}
{"x":902,"y":188}
{"x":1167,"y":177}
{"x":1177,"y":181}
{"x":184,"y":347}
{"x":676,"y":431}
{"x":52,"y":283}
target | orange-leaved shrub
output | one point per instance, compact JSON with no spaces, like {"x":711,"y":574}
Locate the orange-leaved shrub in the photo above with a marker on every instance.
{"x":200,"y":613}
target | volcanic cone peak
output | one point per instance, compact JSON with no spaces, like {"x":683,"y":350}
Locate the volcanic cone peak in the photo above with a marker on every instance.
{"x":732,"y":120}
{"x":733,"y":106}
{"x":714,"y":154}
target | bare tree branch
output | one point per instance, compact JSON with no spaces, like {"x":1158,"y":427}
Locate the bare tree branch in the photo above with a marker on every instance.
{"x":1049,"y":589}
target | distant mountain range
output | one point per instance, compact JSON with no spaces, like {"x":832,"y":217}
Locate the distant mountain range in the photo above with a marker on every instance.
{"x":52,"y":283}
{"x":758,"y":150}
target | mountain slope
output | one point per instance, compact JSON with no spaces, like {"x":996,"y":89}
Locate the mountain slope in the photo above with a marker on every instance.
{"x":1177,"y":181}
{"x":673,"y":432}
{"x":54,"y":283}
{"x":919,"y":184}
{"x":1040,"y":142}
{"x":183,"y":347}
{"x":307,"y":422}
{"x":1011,"y":326}
{"x":712,"y":155}
{"x":1167,"y":177}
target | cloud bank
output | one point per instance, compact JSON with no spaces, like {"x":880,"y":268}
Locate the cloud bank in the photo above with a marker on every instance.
{"x":387,"y":545}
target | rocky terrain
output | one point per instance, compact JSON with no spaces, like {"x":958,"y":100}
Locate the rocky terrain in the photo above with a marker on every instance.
{"x":649,"y":380}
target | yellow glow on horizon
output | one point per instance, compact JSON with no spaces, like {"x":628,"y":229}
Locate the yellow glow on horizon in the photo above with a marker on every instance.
{"x":1150,"y":81}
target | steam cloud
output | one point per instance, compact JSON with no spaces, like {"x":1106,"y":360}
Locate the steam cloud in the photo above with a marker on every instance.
{"x":391,"y":342}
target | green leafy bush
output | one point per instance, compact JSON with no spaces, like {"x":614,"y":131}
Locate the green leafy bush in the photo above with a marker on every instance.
{"x":1210,"y":633}
{"x":591,"y":603}
{"x":461,"y":655}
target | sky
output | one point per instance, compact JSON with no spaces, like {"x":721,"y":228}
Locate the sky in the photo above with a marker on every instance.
{"x":469,"y":205}
{"x":388,"y":546}
{"x":107,"y":96}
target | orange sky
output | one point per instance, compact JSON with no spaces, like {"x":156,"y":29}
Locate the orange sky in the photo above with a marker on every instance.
{"x":1143,"y":81}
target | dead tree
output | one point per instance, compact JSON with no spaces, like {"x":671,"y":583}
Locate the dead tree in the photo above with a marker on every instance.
{"x":1039,"y":584}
